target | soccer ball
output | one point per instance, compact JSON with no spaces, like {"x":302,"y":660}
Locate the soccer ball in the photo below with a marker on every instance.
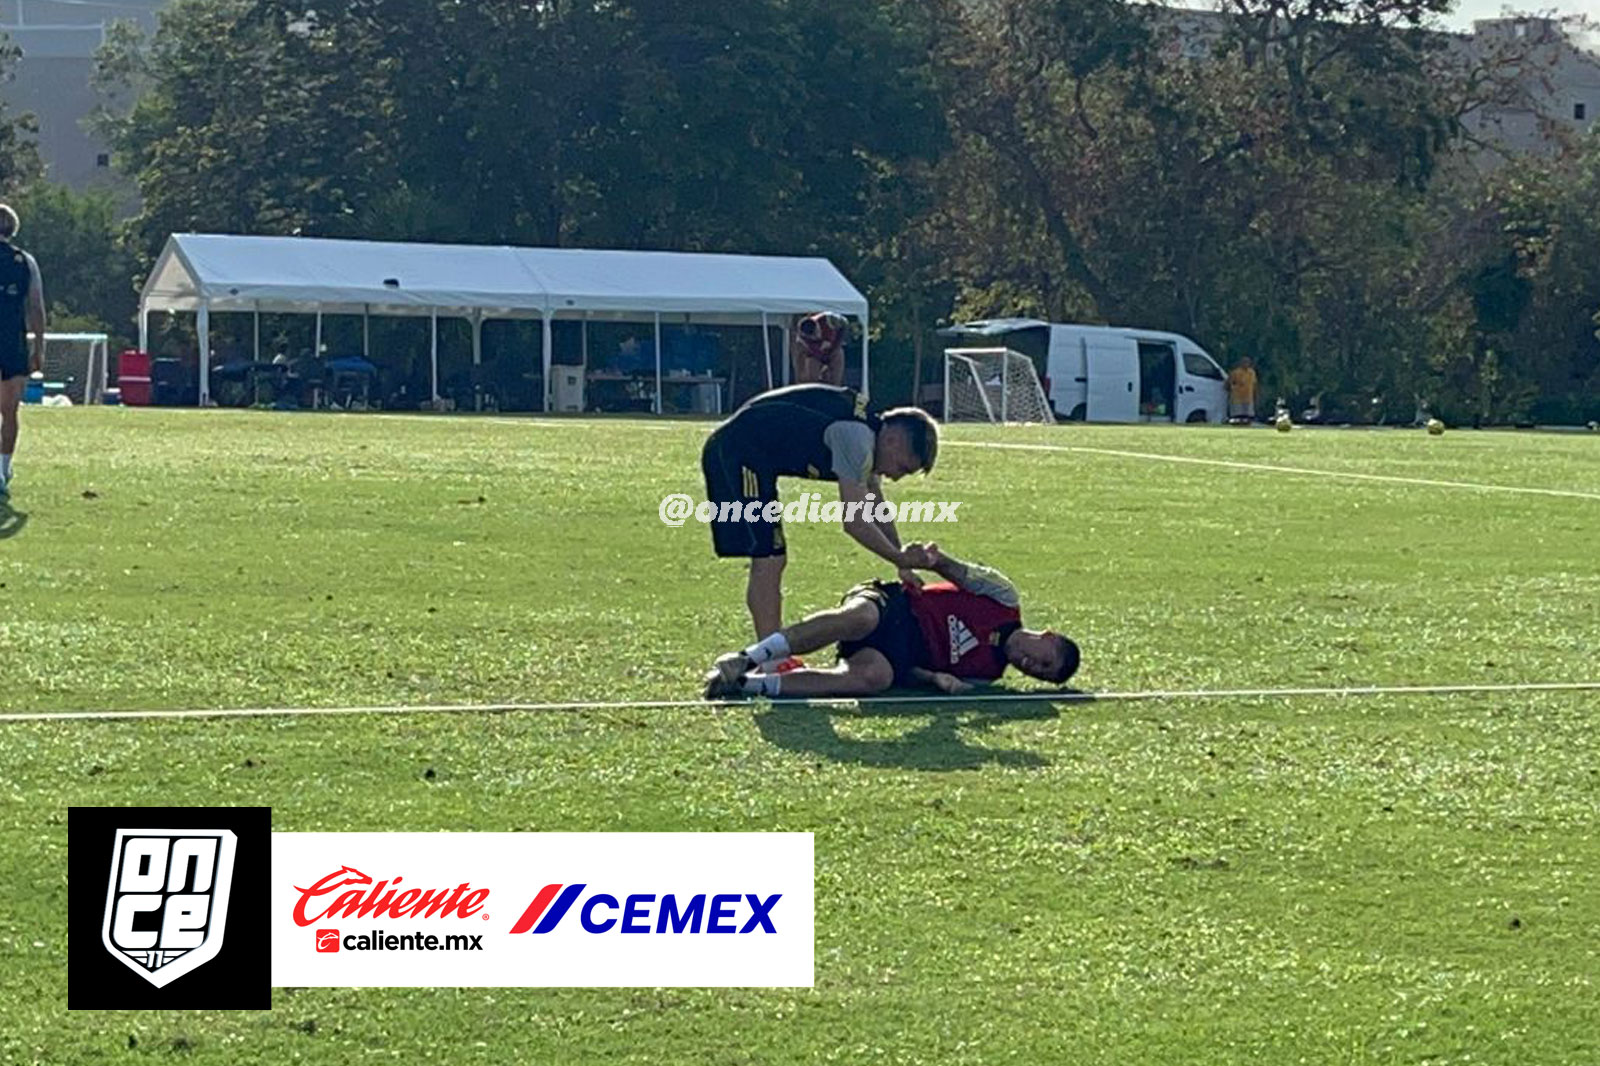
{"x":1284,"y":423}
{"x":1435,"y":427}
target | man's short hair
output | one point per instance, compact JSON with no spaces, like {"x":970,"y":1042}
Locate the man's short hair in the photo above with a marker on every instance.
{"x":1069,"y":661}
{"x":9,"y":223}
{"x":921,"y":431}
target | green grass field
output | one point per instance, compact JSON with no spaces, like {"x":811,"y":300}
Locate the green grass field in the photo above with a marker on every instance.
{"x":1384,"y":879}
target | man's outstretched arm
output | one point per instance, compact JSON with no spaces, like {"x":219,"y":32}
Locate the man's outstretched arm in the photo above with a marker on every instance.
{"x":946,"y":683}
{"x":879,"y":538}
{"x":977,"y":578}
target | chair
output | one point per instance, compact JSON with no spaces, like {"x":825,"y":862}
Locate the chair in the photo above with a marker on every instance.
{"x":348,"y":377}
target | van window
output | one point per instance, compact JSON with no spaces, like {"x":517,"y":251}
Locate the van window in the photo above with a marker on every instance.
{"x":1201,"y":367}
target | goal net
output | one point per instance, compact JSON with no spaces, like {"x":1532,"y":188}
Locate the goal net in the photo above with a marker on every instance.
{"x":992,"y":385}
{"x":77,"y":362}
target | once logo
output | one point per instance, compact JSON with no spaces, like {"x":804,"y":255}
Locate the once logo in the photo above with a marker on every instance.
{"x":358,"y":901}
{"x":646,"y":912}
{"x":167,"y":903}
{"x":327,"y":940}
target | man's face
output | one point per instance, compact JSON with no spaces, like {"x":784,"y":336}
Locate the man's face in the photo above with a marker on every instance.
{"x":893,"y":458}
{"x":1036,"y":653}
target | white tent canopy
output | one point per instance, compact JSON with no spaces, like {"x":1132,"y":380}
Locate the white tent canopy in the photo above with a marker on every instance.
{"x":202,"y":273}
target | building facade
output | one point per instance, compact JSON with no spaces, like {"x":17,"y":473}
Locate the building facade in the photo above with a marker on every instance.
{"x":52,"y":79}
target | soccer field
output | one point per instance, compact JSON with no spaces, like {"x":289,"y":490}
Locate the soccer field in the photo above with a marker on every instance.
{"x":1322,"y":879}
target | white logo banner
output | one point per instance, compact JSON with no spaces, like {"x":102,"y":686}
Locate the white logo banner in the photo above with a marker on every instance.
{"x":518,"y":910}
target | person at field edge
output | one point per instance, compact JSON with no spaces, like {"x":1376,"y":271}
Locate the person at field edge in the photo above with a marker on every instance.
{"x":817,"y":349}
{"x":1242,"y":392}
{"x":21,"y":312}
{"x":822,"y":433}
{"x":945,"y":634}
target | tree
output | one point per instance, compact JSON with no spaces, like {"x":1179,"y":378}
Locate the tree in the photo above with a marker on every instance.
{"x":89,"y":274}
{"x":19,"y":151}
{"x":248,"y":117}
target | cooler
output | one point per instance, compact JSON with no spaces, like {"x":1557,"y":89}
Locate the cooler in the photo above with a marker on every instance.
{"x":568,"y":382}
{"x":133,"y":377}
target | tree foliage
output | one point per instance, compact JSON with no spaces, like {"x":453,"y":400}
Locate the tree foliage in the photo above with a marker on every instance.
{"x":1282,"y":182}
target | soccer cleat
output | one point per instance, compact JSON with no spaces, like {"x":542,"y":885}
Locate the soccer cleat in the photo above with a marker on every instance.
{"x":732,"y":666}
{"x":719,"y":687}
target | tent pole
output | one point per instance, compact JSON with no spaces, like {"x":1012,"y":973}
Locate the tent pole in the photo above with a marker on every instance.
{"x":658,"y":362}
{"x":783,"y":334}
{"x":865,"y":389}
{"x":366,"y":335}
{"x":316,"y":343}
{"x":144,"y":327}
{"x":766,"y":351}
{"x":477,"y":359}
{"x":944,"y":401}
{"x":203,"y":330}
{"x":546,"y":351}
{"x":433,"y":356}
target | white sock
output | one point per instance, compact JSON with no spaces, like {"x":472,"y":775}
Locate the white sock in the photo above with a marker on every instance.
{"x":762,"y":684}
{"x":5,"y":466}
{"x":775,"y":647}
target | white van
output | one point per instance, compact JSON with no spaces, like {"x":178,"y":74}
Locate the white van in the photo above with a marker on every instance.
{"x":1109,"y":373}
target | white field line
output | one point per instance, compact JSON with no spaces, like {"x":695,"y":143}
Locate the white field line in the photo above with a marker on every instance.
{"x":533,"y":421}
{"x":1271,"y":468}
{"x":657,"y":705}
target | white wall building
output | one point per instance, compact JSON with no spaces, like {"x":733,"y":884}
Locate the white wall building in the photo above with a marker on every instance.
{"x":1548,"y":83}
{"x":58,"y":39}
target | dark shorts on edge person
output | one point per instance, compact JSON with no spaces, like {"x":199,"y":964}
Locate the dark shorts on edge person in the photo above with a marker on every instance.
{"x":735,"y":474}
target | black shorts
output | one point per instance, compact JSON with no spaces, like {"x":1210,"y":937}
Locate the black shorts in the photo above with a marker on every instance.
{"x":735,"y":474}
{"x":13,"y":362}
{"x":897,"y":638}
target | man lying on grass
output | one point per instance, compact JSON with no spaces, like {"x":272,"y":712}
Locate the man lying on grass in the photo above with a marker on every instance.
{"x":946,"y":634}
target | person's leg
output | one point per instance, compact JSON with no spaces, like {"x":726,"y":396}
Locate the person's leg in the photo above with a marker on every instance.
{"x":864,"y":673}
{"x":10,"y":400}
{"x":764,"y":594}
{"x":730,"y":481}
{"x":855,"y":619}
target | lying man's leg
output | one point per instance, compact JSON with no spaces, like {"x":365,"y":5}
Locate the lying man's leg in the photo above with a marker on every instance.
{"x":865,"y":673}
{"x":853,"y":620}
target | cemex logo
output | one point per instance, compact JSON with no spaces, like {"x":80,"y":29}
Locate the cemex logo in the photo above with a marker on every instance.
{"x":363,"y":899}
{"x":163,"y":887}
{"x":645,"y":912}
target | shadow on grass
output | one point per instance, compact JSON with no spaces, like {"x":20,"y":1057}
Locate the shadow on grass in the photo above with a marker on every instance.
{"x":11,"y":521}
{"x":938,"y":743}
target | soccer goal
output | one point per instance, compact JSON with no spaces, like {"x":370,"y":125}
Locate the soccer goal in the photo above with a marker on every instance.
{"x":992,"y":385}
{"x":77,"y":361}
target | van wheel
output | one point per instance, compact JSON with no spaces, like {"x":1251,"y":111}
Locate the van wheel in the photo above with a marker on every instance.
{"x":1196,"y":416}
{"x":1079,"y":413}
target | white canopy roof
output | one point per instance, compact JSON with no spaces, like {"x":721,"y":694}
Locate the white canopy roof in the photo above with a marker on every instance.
{"x":304,"y":274}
